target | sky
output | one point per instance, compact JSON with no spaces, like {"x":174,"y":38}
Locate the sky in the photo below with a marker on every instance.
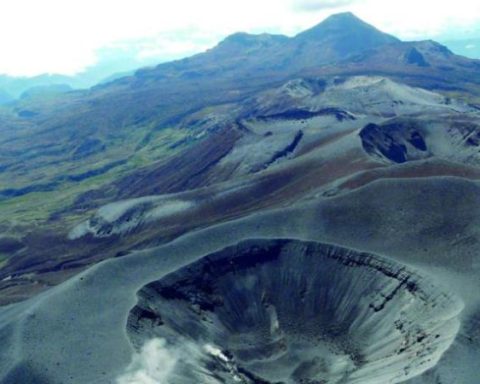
{"x":67,"y":36}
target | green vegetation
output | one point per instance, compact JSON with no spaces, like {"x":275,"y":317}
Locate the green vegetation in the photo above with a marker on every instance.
{"x":143,"y":146}
{"x":3,"y":260}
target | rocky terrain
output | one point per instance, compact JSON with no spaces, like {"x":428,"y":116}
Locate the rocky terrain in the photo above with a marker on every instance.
{"x":274,"y":210}
{"x":293,"y":312}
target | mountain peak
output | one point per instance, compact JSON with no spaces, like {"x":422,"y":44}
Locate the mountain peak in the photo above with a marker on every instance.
{"x":345,"y":33}
{"x":345,"y":22}
{"x":344,"y":16}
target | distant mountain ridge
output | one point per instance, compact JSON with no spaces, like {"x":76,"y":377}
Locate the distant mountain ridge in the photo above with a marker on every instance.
{"x":111,"y":64}
{"x":339,"y":36}
{"x":347,"y":34}
{"x":338,"y":39}
{"x":342,"y":43}
{"x":15,"y":87}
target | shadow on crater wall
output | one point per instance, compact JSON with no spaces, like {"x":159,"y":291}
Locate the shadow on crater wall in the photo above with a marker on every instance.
{"x":284,"y":311}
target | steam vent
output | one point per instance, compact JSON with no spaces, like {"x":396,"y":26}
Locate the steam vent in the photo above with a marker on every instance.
{"x":284,"y":311}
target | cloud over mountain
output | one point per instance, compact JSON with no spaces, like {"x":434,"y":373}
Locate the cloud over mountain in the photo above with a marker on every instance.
{"x":321,"y":5}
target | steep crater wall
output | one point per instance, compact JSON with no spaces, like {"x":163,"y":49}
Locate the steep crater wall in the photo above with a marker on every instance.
{"x":399,"y":140}
{"x":284,"y":311}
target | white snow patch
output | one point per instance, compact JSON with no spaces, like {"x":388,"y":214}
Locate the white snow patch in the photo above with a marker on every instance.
{"x":113,"y":211}
{"x":169,"y":208}
{"x":111,"y":216}
{"x":79,"y":231}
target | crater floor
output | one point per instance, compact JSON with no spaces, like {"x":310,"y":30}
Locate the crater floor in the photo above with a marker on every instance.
{"x":285,"y":311}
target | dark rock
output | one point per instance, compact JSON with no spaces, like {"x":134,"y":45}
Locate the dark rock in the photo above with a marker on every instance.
{"x":413,"y":56}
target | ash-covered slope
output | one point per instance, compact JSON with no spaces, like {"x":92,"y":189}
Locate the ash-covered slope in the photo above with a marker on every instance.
{"x":307,"y":138}
{"x":436,"y":234}
{"x":359,"y":95}
{"x":287,"y":122}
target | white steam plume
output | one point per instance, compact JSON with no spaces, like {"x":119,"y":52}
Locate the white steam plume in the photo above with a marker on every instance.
{"x":152,"y":365}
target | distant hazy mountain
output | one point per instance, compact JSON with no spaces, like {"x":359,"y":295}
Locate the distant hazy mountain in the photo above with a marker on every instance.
{"x":45,"y":90}
{"x":112,"y":64}
{"x":16,"y":86}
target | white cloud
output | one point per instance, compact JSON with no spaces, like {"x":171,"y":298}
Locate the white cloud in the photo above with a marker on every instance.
{"x":64,"y":35}
{"x":413,"y":19}
{"x":316,"y":5}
